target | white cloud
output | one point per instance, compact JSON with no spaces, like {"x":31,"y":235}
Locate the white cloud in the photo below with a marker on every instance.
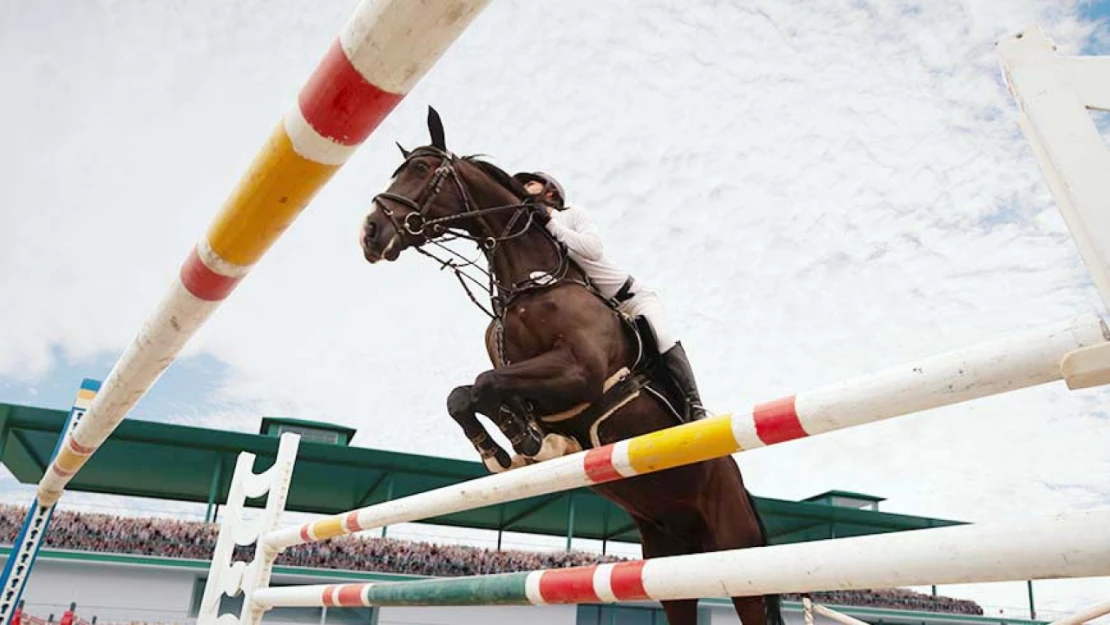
{"x":818,"y":189}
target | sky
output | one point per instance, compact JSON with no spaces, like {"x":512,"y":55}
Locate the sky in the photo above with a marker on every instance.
{"x":817,"y":189}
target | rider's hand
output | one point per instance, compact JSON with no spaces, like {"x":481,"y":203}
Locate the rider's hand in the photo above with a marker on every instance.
{"x":541,"y":213}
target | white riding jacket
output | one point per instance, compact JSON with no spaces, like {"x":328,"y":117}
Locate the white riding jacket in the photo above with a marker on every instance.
{"x":573,"y":227}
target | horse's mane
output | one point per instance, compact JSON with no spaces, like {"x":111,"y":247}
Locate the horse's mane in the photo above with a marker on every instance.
{"x":499,"y":175}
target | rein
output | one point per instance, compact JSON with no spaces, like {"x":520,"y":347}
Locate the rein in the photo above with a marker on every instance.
{"x":441,"y":230}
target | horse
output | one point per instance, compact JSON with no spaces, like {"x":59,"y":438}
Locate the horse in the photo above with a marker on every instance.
{"x":555,"y":346}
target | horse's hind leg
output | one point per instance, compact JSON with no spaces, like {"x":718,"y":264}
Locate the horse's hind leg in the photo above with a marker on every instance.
{"x":658,"y":544}
{"x":461,"y":408}
{"x":751,"y":610}
{"x":732,"y":522}
{"x":684,"y":612}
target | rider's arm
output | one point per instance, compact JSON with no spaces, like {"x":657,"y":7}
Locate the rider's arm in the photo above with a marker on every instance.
{"x":574,"y":228}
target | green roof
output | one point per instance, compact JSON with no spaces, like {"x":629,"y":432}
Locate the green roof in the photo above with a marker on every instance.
{"x":829,"y":494}
{"x":180,"y":463}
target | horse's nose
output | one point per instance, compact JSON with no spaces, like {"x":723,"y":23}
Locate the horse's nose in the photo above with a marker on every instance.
{"x":369,"y":231}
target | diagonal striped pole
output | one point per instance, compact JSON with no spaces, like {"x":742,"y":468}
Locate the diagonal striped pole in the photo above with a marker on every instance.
{"x":382,"y":51}
{"x":1046,"y":548}
{"x":1007,"y":364}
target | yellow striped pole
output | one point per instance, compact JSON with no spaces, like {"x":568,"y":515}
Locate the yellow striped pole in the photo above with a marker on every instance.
{"x":383,"y":50}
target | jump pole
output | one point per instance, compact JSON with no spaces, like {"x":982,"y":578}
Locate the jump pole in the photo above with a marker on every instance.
{"x":1047,"y":548}
{"x":1089,"y":613}
{"x":383,"y":50}
{"x":1024,"y":359}
{"x":809,"y":609}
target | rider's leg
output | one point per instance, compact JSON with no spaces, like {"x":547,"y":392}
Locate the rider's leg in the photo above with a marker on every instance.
{"x":679,"y":367}
{"x":647,"y":303}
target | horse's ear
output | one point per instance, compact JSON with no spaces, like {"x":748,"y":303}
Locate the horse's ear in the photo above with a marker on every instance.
{"x":435,"y":129}
{"x":404,"y":152}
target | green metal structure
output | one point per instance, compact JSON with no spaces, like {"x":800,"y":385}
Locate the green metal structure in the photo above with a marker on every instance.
{"x":180,"y":463}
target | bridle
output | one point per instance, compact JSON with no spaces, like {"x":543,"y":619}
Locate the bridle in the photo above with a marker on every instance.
{"x":440,"y":230}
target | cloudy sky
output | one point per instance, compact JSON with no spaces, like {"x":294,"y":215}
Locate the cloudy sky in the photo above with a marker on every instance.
{"x":817,"y":188}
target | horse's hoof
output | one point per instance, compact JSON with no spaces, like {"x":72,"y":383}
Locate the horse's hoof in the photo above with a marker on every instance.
{"x":493,"y":466}
{"x":556,"y":445}
{"x":499,"y":465}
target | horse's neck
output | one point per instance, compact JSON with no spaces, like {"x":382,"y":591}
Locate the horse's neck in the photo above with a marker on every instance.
{"x":513,"y":261}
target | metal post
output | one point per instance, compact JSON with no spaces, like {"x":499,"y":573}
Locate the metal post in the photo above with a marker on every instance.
{"x":1032,"y":605}
{"x":388,"y":497}
{"x":32,"y":534}
{"x":605,"y":528}
{"x":934,"y":590}
{"x":570,"y":519}
{"x":217,"y":475}
{"x":3,"y":429}
{"x":500,"y":524}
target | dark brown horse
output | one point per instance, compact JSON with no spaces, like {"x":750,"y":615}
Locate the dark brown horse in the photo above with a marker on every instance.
{"x":554,"y":345}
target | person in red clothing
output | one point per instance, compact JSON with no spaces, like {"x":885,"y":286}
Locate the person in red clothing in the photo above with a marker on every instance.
{"x":17,"y":618}
{"x":67,"y":616}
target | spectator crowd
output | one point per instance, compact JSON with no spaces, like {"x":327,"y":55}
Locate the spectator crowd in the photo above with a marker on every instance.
{"x":172,"y":538}
{"x":893,"y":599}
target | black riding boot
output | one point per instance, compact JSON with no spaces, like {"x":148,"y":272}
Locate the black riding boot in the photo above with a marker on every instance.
{"x":679,"y":368}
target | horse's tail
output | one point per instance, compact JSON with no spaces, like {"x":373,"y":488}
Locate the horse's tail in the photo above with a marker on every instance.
{"x":772,"y":603}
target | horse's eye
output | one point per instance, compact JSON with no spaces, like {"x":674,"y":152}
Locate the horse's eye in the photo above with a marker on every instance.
{"x":421,"y":168}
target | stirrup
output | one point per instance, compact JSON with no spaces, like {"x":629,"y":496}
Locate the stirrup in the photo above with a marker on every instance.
{"x":694,"y":409}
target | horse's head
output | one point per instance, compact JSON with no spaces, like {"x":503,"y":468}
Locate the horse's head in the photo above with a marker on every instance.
{"x":433,"y":192}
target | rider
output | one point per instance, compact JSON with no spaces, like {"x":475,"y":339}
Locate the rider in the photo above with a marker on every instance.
{"x":572,"y":227}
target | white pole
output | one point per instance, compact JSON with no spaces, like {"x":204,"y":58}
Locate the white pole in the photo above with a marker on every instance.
{"x":1045,"y":548}
{"x":837,"y":616}
{"x":1014,"y":362}
{"x":1087,"y":614}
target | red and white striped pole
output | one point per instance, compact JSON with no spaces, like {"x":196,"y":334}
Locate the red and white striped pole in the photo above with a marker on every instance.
{"x":381,"y":53}
{"x":1007,"y":364}
{"x":385,"y":48}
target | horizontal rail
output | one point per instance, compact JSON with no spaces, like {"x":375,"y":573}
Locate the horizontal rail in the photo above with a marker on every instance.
{"x":1007,"y":364}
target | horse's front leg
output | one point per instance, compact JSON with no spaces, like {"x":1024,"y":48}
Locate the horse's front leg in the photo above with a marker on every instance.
{"x":554,"y":379}
{"x":460,"y":406}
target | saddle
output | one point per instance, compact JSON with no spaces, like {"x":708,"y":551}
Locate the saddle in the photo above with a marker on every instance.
{"x":647,"y":374}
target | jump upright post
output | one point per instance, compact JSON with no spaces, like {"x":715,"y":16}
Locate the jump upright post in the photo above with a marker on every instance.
{"x":384,"y":49}
{"x":1053,"y":94}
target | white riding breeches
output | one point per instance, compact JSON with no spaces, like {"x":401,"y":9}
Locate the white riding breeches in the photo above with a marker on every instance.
{"x":647,"y":303}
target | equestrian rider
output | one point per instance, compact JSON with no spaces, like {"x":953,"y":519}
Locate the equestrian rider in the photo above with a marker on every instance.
{"x":572,"y":226}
